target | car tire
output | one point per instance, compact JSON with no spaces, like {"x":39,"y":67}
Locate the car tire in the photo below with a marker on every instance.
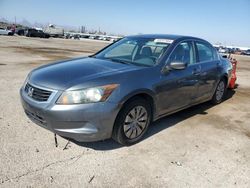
{"x":132,"y":122}
{"x":219,"y":92}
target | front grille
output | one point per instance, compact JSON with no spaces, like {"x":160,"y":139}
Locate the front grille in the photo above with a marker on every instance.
{"x":36,"y":93}
{"x":37,"y":118}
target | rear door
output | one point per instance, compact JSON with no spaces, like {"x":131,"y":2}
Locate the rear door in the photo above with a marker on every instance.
{"x":208,"y":61}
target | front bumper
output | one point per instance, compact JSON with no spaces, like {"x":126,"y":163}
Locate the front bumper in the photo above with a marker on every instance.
{"x":82,"y":122}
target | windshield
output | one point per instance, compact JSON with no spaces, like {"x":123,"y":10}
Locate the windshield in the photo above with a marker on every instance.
{"x":137,"y":51}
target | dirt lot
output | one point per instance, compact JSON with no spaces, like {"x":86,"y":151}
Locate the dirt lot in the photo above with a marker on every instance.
{"x":204,"y":146}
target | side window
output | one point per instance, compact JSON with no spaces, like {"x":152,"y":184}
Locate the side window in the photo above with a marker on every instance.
{"x":205,"y":52}
{"x":183,"y":53}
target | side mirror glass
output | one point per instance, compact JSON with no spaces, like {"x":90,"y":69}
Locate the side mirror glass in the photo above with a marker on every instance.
{"x":178,"y":65}
{"x":175,"y":65}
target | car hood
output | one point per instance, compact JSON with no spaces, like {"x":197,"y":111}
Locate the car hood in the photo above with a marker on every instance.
{"x":65,"y":74}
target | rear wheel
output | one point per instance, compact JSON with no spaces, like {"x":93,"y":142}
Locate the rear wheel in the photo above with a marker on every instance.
{"x":219,"y":92}
{"x":132,"y":122}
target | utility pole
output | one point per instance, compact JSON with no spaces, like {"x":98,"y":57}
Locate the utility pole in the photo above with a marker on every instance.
{"x":83,"y":29}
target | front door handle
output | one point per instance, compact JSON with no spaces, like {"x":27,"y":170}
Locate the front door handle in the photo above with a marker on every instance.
{"x":196,"y":71}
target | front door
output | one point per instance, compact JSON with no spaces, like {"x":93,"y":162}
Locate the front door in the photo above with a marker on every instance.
{"x":178,"y":87}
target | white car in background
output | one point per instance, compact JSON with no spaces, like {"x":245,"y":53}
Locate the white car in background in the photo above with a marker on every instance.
{"x":5,"y":32}
{"x":223,"y":50}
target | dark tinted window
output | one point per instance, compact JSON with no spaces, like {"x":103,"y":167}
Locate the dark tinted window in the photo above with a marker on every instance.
{"x":183,"y":53}
{"x":205,"y":52}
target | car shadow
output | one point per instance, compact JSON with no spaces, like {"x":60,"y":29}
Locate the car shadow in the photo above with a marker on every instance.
{"x":156,"y":126}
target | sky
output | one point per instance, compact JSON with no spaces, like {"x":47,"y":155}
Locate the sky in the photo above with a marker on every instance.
{"x":218,"y":21}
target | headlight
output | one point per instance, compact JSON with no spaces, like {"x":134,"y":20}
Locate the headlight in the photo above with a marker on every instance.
{"x":90,"y":95}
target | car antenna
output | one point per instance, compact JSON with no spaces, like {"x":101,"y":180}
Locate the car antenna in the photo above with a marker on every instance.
{"x":56,"y":143}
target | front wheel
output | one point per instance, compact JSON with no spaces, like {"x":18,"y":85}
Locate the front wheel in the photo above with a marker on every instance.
{"x":219,"y":92}
{"x":132,"y":122}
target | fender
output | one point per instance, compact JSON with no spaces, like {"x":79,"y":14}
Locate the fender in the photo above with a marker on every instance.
{"x":144,"y":91}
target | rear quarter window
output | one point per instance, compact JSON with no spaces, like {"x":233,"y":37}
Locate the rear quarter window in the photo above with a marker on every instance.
{"x":206,"y":52}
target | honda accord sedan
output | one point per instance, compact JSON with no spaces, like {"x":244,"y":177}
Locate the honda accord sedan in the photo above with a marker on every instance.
{"x":117,"y":92}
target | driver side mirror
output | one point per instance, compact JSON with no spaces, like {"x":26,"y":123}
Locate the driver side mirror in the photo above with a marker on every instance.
{"x":178,"y":65}
{"x":175,"y":65}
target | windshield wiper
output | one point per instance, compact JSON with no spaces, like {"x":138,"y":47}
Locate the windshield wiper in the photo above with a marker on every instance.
{"x":118,"y":61}
{"x":93,"y":56}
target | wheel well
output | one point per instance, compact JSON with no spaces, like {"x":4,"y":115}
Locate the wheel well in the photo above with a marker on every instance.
{"x":225,"y":77}
{"x":146,"y":97}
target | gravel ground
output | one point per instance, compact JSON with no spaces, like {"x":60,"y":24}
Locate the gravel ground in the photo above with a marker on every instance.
{"x":203,"y":146}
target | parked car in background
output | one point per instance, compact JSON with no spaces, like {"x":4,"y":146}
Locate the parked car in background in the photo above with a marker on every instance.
{"x":20,"y":31}
{"x":94,"y":37}
{"x":114,"y":39}
{"x":76,"y":37}
{"x":54,"y":31}
{"x":5,"y":32}
{"x":247,"y":52}
{"x":36,"y":33}
{"x":121,"y":89}
{"x":223,"y":50}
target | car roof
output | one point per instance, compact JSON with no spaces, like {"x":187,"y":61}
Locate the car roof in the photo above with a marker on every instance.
{"x":165,"y":36}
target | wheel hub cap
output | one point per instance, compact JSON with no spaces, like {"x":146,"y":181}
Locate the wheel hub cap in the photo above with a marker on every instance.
{"x":135,"y":122}
{"x":220,"y":91}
